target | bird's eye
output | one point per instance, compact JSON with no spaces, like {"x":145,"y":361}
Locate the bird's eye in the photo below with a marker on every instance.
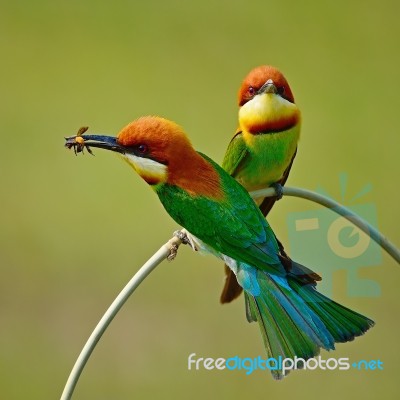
{"x":281,"y":90}
{"x":142,"y":149}
{"x":251,"y":90}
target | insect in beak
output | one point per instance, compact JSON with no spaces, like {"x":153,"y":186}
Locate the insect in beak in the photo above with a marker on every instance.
{"x":77,"y":142}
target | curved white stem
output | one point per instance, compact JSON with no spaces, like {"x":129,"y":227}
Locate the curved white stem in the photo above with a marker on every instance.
{"x":170,"y":248}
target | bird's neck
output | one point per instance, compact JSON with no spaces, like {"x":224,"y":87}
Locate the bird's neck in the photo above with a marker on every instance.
{"x":195,"y":175}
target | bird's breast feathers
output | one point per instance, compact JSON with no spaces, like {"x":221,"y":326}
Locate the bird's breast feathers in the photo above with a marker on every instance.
{"x":268,"y":157}
{"x":268,"y":113}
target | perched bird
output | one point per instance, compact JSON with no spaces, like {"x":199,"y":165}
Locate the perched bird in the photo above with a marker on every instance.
{"x":262,"y":151}
{"x":221,"y":218}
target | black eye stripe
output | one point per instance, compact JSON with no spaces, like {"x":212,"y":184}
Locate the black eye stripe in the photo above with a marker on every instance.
{"x":142,"y":150}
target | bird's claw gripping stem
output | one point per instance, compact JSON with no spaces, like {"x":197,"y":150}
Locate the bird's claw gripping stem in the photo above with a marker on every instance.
{"x":278,"y":190}
{"x":182,"y":236}
{"x":185,"y":238}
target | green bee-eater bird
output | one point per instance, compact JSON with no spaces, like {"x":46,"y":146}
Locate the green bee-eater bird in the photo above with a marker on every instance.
{"x":221,"y":218}
{"x":262,"y":151}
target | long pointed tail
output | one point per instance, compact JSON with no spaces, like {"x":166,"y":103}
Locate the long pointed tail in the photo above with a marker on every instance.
{"x":295,"y":319}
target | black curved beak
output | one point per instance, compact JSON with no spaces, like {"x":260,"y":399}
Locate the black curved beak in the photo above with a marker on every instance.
{"x":268,"y":87}
{"x":100,"y":141}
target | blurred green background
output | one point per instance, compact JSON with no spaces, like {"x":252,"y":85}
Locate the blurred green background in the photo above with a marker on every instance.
{"x":75,"y":229}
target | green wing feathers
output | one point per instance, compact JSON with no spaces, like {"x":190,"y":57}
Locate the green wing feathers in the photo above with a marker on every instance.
{"x":235,"y":154}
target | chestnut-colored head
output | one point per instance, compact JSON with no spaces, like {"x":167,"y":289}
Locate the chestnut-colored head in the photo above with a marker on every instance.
{"x":258,"y":77}
{"x":160,"y":152}
{"x":156,"y":139}
{"x":266,"y":103}
{"x":156,"y":148}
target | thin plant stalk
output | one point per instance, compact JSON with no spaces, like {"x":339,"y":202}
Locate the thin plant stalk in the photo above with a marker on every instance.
{"x":168,"y":251}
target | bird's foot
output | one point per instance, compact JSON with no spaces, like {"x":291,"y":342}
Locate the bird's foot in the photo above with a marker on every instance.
{"x":278,"y":190}
{"x":183,"y":236}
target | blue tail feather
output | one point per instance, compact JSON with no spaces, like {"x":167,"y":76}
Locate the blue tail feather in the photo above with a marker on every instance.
{"x":295,"y":319}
